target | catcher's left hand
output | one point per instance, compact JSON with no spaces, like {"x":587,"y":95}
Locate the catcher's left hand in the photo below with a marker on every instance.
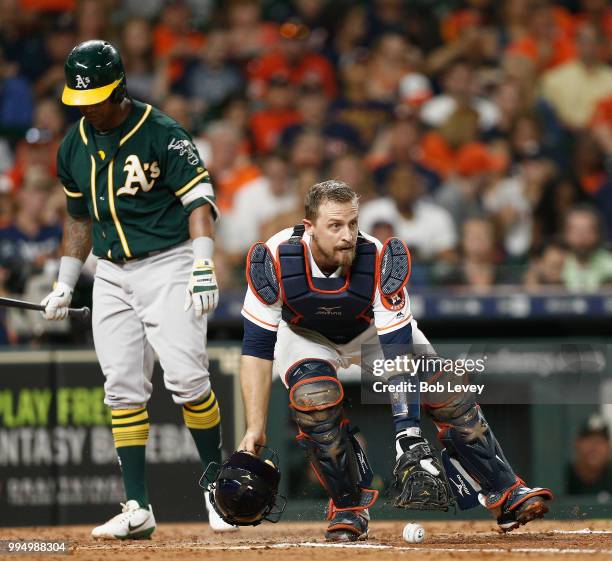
{"x":419,"y":480}
{"x":202,"y":292}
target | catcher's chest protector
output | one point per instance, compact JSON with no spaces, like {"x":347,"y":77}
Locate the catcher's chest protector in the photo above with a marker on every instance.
{"x":337,"y":308}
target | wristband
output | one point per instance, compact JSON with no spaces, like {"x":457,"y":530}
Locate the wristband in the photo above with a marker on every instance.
{"x":69,"y":271}
{"x":203,"y":248}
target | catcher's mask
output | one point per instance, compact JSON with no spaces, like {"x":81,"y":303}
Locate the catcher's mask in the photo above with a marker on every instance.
{"x":244,"y":489}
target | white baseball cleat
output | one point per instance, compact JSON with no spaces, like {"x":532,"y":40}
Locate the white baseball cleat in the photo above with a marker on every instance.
{"x":134,"y":523}
{"x":217,"y":524}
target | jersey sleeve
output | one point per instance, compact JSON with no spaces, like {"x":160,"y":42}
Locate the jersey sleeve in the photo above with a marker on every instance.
{"x":185,"y":173}
{"x":76,"y":204}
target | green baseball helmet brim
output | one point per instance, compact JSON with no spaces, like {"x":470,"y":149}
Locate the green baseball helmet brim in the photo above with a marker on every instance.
{"x":72,"y":96}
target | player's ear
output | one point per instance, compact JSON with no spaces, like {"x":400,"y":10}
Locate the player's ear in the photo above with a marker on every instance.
{"x":308,"y":225}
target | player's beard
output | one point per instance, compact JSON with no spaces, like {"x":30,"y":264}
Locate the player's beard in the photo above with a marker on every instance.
{"x":336,"y":258}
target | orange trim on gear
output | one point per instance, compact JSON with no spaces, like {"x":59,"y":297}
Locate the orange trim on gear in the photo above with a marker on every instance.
{"x":304,"y":360}
{"x":315,"y":407}
{"x":505,"y":494}
{"x":406,"y":319}
{"x":248,"y":277}
{"x":342,"y":526}
{"x":312,"y":287}
{"x":378,"y":271}
{"x":257,"y":319}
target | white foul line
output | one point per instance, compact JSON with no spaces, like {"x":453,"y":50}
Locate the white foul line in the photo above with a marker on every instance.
{"x":423,"y":549}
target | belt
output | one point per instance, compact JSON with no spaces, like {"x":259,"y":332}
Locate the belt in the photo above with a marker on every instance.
{"x":124,"y":260}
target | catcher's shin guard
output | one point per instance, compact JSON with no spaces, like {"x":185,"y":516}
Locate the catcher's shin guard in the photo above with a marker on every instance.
{"x":468,"y":437}
{"x":338,"y":460}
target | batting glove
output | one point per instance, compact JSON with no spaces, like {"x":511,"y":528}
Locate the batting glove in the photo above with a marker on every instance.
{"x":57,"y":302}
{"x":202,"y":292}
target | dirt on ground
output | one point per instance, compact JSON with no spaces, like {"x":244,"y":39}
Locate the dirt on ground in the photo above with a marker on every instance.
{"x":444,"y":541}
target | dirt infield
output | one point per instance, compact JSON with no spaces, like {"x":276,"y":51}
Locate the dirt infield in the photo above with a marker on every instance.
{"x":450,"y":541}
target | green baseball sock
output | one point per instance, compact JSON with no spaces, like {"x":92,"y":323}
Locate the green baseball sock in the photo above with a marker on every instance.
{"x":130,"y":433}
{"x":203,"y":419}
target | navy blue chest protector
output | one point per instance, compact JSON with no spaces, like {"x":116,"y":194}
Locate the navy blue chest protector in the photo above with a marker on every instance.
{"x":338,"y":308}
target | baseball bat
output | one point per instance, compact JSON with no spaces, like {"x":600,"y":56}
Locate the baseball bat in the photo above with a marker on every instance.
{"x":81,"y":314}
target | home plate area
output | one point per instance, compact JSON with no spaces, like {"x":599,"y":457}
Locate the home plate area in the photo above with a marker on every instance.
{"x":453,"y":540}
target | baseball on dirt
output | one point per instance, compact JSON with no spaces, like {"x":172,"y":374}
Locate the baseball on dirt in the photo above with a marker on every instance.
{"x":413,"y":533}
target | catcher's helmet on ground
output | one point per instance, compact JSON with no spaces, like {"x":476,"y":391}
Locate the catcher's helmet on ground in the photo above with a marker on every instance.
{"x":94,"y":72}
{"x":245,"y":490}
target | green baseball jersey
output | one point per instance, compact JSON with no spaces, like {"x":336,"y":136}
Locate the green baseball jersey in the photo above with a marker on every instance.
{"x":138,"y":182}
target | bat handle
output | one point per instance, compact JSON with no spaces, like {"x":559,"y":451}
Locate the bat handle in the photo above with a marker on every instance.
{"x":82,"y":314}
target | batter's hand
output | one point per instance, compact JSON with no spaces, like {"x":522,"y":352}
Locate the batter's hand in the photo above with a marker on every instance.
{"x":251,"y":440}
{"x":57,"y":302}
{"x":202,"y":292}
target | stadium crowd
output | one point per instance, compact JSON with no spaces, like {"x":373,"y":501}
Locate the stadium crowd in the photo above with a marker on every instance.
{"x":478,"y":131}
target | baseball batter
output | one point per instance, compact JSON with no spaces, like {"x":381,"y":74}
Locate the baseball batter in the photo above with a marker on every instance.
{"x":138,"y":194}
{"x":316,"y":294}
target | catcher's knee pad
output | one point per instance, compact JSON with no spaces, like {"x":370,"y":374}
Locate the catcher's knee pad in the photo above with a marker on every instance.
{"x":316,"y":396}
{"x":467,"y":436}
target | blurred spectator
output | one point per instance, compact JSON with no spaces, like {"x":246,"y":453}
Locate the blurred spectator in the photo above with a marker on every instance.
{"x":597,"y":13}
{"x":591,"y":470}
{"x":546,"y":269}
{"x":427,"y":228}
{"x":575,"y":88}
{"x":304,"y":180}
{"x":589,"y":265}
{"x":439,"y":149}
{"x":307,"y":152}
{"x":41,"y":142}
{"x":468,"y":34}
{"x":230,"y":170}
{"x":548,"y":40}
{"x":256,"y":203}
{"x":351,"y":169}
{"x":511,"y":202}
{"x":459,"y":90}
{"x":294,"y":59}
{"x":391,"y":59}
{"x":92,"y":21}
{"x":211,"y":79}
{"x":476,"y":169}
{"x":313,"y":108}
{"x":249,"y":36}
{"x":147,"y":77}
{"x":349,"y":33}
{"x":558,"y":198}
{"x":589,"y":164}
{"x":354,"y":106}
{"x":177,"y":107}
{"x":59,"y":41}
{"x":174,"y":39}
{"x":15,"y":98}
{"x":386,"y":16}
{"x":478,"y":266}
{"x":279,"y":113}
{"x":28,"y":242}
{"x":398,"y":144}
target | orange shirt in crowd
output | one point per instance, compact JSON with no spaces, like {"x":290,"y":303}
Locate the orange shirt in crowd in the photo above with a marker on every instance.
{"x":165,"y":41}
{"x":48,"y":5}
{"x":467,"y":160}
{"x":311,"y":67}
{"x":562,"y":50}
{"x":452,"y":25}
{"x":602,"y":114}
{"x":229,"y":182}
{"x":267,"y":126}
